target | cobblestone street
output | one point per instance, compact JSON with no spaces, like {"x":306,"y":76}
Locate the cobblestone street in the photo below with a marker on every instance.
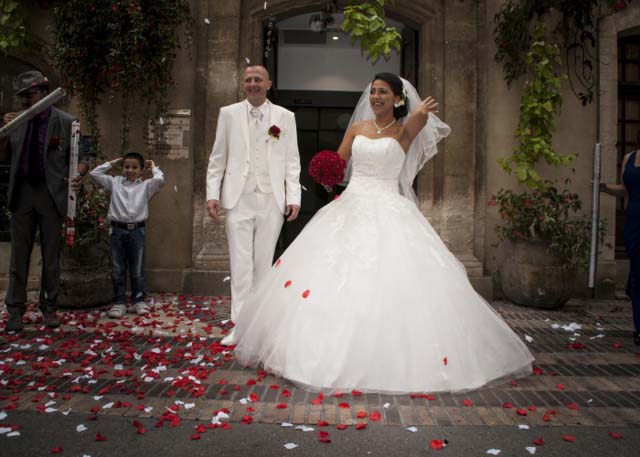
{"x":170,"y":368}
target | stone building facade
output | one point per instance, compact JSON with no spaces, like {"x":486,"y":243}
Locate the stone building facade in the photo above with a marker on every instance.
{"x":454,"y":62}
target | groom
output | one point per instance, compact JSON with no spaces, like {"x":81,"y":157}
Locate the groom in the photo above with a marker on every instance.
{"x":253,"y":173}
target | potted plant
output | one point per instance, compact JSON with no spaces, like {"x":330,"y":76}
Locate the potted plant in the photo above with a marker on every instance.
{"x":548,"y":240}
{"x":85,"y":272}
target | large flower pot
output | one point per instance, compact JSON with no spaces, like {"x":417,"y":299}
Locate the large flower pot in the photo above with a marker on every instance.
{"x":85,"y":276}
{"x":531,"y":275}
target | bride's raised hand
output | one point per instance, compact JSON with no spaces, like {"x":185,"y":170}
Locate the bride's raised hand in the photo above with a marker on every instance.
{"x":428,"y":105}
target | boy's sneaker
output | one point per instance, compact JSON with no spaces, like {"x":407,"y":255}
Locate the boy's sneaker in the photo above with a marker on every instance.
{"x":141,"y":308}
{"x":117,"y":311}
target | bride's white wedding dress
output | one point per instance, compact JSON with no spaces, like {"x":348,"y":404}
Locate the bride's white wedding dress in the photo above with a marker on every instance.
{"x":368,"y":297}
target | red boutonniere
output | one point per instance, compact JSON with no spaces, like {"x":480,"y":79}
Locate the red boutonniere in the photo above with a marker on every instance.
{"x":274,"y":131}
{"x":55,"y":142}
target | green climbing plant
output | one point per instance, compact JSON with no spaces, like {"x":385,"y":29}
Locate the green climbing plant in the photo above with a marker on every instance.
{"x":13,"y":33}
{"x":365,"y":22}
{"x":541,"y":101}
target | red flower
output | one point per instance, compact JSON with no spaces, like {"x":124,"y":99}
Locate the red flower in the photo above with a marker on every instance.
{"x":54,"y":142}
{"x":327,"y":168}
{"x":274,"y":131}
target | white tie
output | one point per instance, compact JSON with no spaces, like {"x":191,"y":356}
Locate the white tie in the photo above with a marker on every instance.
{"x":256,"y":114}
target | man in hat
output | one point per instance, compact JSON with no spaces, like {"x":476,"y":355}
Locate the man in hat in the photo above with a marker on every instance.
{"x":37,"y":197}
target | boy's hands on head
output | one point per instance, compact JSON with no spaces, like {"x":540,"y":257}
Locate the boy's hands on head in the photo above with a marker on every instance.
{"x":117,"y":161}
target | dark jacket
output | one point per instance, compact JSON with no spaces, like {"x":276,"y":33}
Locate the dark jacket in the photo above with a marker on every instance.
{"x":56,"y":158}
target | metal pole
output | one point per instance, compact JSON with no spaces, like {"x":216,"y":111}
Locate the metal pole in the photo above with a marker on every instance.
{"x":595,"y":218}
{"x":33,"y":111}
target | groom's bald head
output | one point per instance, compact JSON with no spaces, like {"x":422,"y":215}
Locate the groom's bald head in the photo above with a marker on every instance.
{"x":255,"y":84}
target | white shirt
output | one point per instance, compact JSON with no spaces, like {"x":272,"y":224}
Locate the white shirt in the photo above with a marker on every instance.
{"x":258,"y":173}
{"x":129,"y":200}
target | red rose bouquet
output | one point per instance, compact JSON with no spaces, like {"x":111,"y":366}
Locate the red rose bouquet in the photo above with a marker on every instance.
{"x":327,"y":168}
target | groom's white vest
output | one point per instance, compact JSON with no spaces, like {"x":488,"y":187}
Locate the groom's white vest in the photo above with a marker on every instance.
{"x":230,"y":163}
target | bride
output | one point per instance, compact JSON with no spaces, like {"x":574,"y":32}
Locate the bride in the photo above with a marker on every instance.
{"x":368,"y":297}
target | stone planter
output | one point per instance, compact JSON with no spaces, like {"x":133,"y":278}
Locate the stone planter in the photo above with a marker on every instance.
{"x":533,"y":276}
{"x":85,"y":276}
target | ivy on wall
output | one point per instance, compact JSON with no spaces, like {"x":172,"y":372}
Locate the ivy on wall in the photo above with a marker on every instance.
{"x":124,"y":47}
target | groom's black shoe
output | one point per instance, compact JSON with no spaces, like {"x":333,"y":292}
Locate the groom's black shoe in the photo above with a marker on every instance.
{"x":636,"y":338}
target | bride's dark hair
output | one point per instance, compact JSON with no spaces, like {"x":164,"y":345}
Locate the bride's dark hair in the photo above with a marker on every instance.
{"x":398,"y":89}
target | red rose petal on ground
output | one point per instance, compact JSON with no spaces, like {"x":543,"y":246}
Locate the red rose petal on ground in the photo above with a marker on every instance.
{"x":274,"y":387}
{"x":356,"y":393}
{"x":538,"y":441}
{"x":285,"y":393}
{"x":532,"y":408}
{"x":514,"y":383}
{"x":246,"y":420}
{"x":361,"y":426}
{"x":253,"y":397}
{"x":282,"y":406}
{"x":361,"y":414}
{"x":56,"y":450}
{"x":344,"y":405}
{"x":467,"y":402}
{"x":615,"y":435}
{"x":287,"y":284}
{"x":507,"y":405}
{"x":342,"y":426}
{"x":569,"y":438}
{"x":100,"y":437}
{"x":617,"y":345}
{"x":538,"y":371}
{"x":318,"y":399}
{"x":560,"y":386}
{"x":195,"y":436}
{"x":322,"y":423}
{"x":573,"y":406}
{"x":521,"y":412}
{"x":200,"y":428}
{"x":375,"y":416}
{"x":437,"y":444}
{"x":306,"y":293}
{"x":546,"y":418}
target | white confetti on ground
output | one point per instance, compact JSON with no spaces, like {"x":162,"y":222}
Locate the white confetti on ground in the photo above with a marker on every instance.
{"x":304,"y":428}
{"x":246,"y":59}
{"x":411,"y":429}
{"x":226,"y":278}
{"x":207,"y":21}
{"x":531,"y":449}
{"x":523,"y":427}
{"x":3,"y":415}
{"x":290,"y":446}
{"x":286,"y":424}
{"x":528,"y":338}
{"x":81,"y":428}
{"x":494,"y":451}
{"x":14,"y":433}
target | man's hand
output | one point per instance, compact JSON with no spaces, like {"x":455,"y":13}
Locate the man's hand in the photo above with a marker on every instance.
{"x":77,"y":181}
{"x":213,"y":208}
{"x":292,"y":212}
{"x":8,"y":117}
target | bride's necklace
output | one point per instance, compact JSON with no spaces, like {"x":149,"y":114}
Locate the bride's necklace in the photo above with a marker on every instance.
{"x":379,"y":129}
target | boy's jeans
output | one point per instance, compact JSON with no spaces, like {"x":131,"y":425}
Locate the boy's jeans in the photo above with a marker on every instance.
{"x":127,"y":251}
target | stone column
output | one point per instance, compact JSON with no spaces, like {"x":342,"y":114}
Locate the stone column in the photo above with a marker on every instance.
{"x":218,"y":55}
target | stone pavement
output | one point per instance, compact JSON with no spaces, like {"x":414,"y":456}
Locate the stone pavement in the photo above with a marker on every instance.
{"x":169,"y":368}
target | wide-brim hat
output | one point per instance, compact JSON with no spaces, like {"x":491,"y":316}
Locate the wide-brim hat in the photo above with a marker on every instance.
{"x":30,"y":79}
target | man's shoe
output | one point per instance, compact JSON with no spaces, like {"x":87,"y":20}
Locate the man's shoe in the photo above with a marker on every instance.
{"x":636,"y":338}
{"x":14,"y":324}
{"x":230,"y":339}
{"x":51,"y":319}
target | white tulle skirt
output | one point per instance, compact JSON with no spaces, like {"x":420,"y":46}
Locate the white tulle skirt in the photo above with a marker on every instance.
{"x":368,"y":297}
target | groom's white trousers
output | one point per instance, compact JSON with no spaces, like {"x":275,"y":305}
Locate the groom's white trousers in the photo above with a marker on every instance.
{"x":252,"y":227}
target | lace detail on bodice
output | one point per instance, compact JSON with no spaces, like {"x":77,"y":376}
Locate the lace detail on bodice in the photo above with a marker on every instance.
{"x":376,"y":164}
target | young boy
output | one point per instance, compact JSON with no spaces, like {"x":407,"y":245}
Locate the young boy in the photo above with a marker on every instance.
{"x":128,"y":211}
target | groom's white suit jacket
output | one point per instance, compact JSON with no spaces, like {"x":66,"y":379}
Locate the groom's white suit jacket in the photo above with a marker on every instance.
{"x":229,"y":163}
